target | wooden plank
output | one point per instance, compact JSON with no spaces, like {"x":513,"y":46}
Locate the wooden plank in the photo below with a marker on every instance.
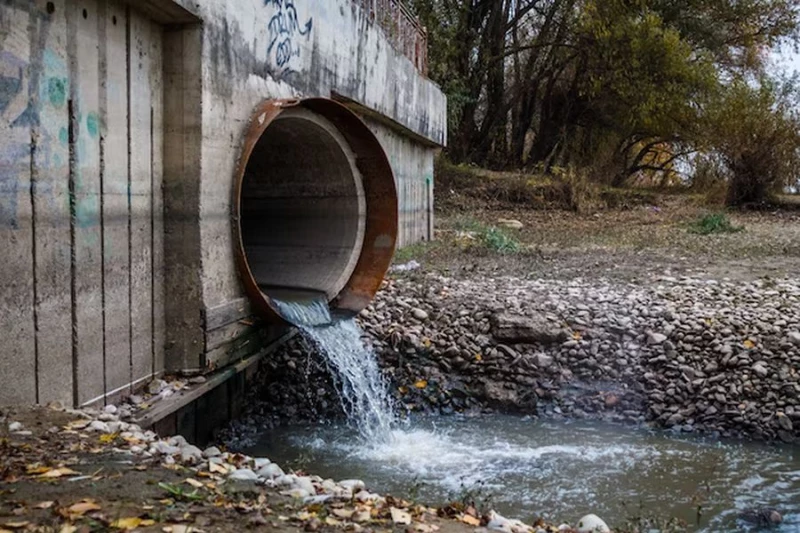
{"x":183,"y":398}
{"x":115,"y":202}
{"x":141,"y":127}
{"x":17,"y":355}
{"x":227,"y":313}
{"x":51,"y":211}
{"x":87,"y":246}
{"x":230,"y":333}
{"x":159,"y":315}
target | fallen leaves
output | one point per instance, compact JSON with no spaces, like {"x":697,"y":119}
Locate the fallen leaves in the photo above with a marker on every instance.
{"x":59,"y":472}
{"x":421,"y":384}
{"x":132,"y":522}
{"x":469,"y":520}
{"x":16,"y":525}
{"x":79,"y":509}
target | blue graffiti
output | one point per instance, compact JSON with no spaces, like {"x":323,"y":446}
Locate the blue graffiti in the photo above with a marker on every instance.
{"x":284,"y":31}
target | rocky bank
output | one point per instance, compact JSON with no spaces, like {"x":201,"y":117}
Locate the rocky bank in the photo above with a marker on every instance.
{"x":688,"y":354}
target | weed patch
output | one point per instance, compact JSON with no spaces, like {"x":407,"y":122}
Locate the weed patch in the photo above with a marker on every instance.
{"x":714,"y":223}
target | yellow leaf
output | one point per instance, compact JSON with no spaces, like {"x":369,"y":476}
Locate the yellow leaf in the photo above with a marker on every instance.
{"x":427,"y":343}
{"x":344,"y":513}
{"x":127,"y":523}
{"x":331,"y":521}
{"x":44,"y":505}
{"x":83,"y":507}
{"x":59,"y":472}
{"x":147,"y":523}
{"x":68,"y":528}
{"x":576,"y":336}
{"x":749,"y":344}
{"x":421,"y":384}
{"x":403,"y":390}
{"x":218,"y":469}
{"x":37,"y":469}
{"x":470,"y":520}
{"x":194,"y":483}
{"x":478,"y":357}
{"x":16,"y":525}
{"x":108,"y":438}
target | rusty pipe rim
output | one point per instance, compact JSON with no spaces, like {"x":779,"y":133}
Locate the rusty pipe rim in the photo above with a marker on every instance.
{"x":381,"y":218}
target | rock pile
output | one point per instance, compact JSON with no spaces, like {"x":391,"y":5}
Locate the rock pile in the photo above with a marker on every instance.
{"x":688,"y":354}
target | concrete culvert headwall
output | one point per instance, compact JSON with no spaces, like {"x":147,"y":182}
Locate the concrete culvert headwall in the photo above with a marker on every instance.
{"x":315,"y":206}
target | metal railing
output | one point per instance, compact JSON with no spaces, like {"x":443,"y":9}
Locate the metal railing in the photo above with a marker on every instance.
{"x":401,"y":27}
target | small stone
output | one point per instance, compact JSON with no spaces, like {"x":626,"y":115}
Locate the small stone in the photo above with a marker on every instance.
{"x":543,"y":360}
{"x":191,"y":454}
{"x":98,"y":425}
{"x":213,"y":451}
{"x":352,"y":484}
{"x":296,"y":493}
{"x":243,"y":474}
{"x":177,"y":440}
{"x":592,"y":524}
{"x":260,"y":462}
{"x":794,"y":337}
{"x":198,"y":380}
{"x":785,"y":422}
{"x":419,"y":314}
{"x":655,"y":339}
{"x":400,"y":517}
{"x":304,"y":483}
{"x":163,"y":448}
{"x":15,"y":426}
{"x":270,"y":471}
{"x":111,"y":409}
{"x":761,"y":369}
{"x":136,"y":399}
{"x":510,"y":223}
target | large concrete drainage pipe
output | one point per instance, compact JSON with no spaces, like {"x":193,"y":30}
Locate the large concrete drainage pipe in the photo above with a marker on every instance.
{"x":315,"y":207}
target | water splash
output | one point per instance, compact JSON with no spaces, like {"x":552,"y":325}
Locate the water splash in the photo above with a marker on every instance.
{"x":363,"y":390}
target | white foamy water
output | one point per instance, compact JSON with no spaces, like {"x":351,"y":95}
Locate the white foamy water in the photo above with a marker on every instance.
{"x":560,"y":471}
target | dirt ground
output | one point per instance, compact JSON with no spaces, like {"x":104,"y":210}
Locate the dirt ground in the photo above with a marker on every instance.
{"x":630,"y":244}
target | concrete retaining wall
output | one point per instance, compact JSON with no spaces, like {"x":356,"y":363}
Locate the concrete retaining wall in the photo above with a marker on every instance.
{"x":121,"y":127}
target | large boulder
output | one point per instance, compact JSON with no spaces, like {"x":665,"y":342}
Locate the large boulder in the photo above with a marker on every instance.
{"x":507,"y":327}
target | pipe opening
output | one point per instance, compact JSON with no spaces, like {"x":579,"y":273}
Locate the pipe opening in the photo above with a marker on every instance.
{"x":306,"y":211}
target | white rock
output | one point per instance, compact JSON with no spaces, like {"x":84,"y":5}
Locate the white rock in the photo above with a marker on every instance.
{"x":162,"y":448}
{"x":260,"y":463}
{"x":271,"y":471}
{"x":191,"y":454}
{"x":99,"y":425}
{"x":243,"y":474}
{"x":592,"y":524}
{"x":169,"y":460}
{"x":352,"y":484}
{"x":328,"y":486}
{"x":400,"y":517}
{"x":761,"y":369}
{"x":107,"y":417}
{"x":794,"y":337}
{"x":114,"y":427}
{"x":656,"y":338}
{"x":213,"y":451}
{"x":178,"y":441}
{"x":15,"y":426}
{"x":501,"y":523}
{"x":284,"y":480}
{"x":304,"y":483}
{"x":365,"y":496}
{"x":111,"y":409}
{"x":419,"y":314}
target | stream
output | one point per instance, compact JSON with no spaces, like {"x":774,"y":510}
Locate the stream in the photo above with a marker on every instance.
{"x":558,"y":470}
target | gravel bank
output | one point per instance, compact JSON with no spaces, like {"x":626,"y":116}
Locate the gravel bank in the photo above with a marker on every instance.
{"x":689,"y":354}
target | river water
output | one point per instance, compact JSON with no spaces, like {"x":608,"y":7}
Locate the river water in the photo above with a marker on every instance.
{"x":521,"y":467}
{"x":558,"y":470}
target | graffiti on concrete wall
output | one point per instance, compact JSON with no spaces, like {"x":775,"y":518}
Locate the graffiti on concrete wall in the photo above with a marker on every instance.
{"x":285,"y":33}
{"x":14,"y":113}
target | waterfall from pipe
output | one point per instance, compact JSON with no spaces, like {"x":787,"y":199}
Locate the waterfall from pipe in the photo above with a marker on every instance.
{"x":363,"y":391}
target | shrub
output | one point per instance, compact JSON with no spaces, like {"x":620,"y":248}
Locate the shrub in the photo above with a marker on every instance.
{"x":714,"y":223}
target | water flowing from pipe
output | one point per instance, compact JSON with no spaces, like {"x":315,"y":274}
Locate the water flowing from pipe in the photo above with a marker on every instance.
{"x":363,"y":390}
